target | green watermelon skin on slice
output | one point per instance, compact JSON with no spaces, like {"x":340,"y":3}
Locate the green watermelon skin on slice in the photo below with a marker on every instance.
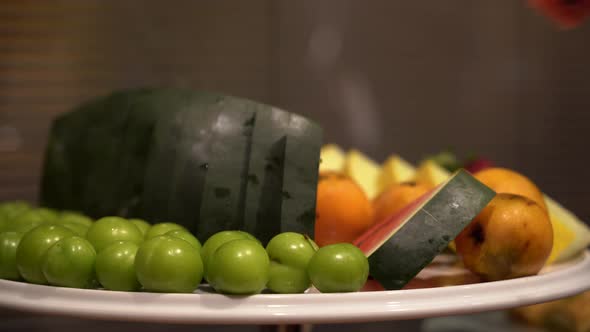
{"x":402,"y":245}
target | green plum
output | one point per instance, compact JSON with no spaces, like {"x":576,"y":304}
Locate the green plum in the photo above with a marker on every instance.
{"x":289,"y":255}
{"x":32,"y":249}
{"x":115,"y":267}
{"x":143,"y":225}
{"x":216,"y":240}
{"x":69,"y":217}
{"x":187,"y":236}
{"x":239,"y":267}
{"x":168,"y":264}
{"x":9,"y":211}
{"x":112,"y":229}
{"x":8,"y":244}
{"x":162,"y":228}
{"x":30,"y":219}
{"x":70,"y":263}
{"x":79,"y":229}
{"x":340,"y":267}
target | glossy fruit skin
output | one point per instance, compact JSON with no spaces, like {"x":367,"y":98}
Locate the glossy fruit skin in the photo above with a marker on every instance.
{"x":216,"y":240}
{"x":143,"y":225}
{"x":70,"y":263}
{"x":115,"y":267}
{"x":162,"y":228}
{"x":397,"y":197}
{"x":112,"y":229}
{"x":340,"y":267}
{"x":168,"y":264}
{"x":504,"y":180}
{"x":78,"y":229}
{"x":239,"y":267}
{"x":511,"y":237}
{"x":68,"y":217}
{"x":343,"y":211}
{"x":8,"y":244}
{"x":30,"y":219}
{"x":187,"y":236}
{"x":289,"y":255}
{"x":32,"y":248}
{"x":9,"y":211}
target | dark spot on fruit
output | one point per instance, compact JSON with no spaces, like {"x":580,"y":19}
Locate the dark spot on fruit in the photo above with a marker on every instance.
{"x":204,"y":166}
{"x":527,"y":244}
{"x":321,"y":160}
{"x":446,"y":238}
{"x":221,"y":192}
{"x":530,"y":202}
{"x":477,"y":233}
{"x":286,"y":195}
{"x":253,"y":178}
{"x":307,"y":217}
{"x":409,"y":183}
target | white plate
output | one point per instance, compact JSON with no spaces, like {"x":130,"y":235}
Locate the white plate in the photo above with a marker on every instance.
{"x":557,"y":282}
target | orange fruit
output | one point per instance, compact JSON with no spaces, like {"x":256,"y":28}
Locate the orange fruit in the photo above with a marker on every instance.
{"x":503,"y":180}
{"x":343,"y":211}
{"x":396,"y":197}
{"x":511,"y":237}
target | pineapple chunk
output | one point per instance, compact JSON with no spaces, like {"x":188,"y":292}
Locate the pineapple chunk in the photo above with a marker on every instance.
{"x":395,"y":170}
{"x":332,"y":158}
{"x":429,"y":172}
{"x":570,"y":234}
{"x":364,"y":171}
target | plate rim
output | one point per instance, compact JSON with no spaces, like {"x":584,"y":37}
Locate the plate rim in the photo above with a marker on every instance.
{"x":558,"y":281}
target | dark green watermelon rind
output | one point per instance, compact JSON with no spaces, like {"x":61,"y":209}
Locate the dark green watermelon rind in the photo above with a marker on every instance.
{"x":428,"y":230}
{"x":221,"y":205}
{"x":136,"y":154}
{"x":282,"y":174}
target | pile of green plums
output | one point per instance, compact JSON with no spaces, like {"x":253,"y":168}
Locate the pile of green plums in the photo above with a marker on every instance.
{"x":67,"y":249}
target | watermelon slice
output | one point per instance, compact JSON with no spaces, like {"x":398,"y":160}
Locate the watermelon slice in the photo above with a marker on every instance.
{"x":402,"y":245}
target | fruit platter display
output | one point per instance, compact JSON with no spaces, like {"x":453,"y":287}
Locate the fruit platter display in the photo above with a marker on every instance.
{"x":180,"y":206}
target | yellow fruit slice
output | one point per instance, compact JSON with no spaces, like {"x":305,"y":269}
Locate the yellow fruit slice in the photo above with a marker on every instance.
{"x":364,"y":171}
{"x":431,"y":173}
{"x":570,"y":234}
{"x":395,"y":170}
{"x":332,"y":158}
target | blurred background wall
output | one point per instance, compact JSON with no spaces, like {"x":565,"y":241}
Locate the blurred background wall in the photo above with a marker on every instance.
{"x":487,"y":77}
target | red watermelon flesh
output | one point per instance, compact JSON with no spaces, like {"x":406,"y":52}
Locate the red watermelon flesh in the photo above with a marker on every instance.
{"x":399,"y":247}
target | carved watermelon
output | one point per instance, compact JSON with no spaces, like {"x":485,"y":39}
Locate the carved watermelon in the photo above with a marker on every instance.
{"x":402,"y":245}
